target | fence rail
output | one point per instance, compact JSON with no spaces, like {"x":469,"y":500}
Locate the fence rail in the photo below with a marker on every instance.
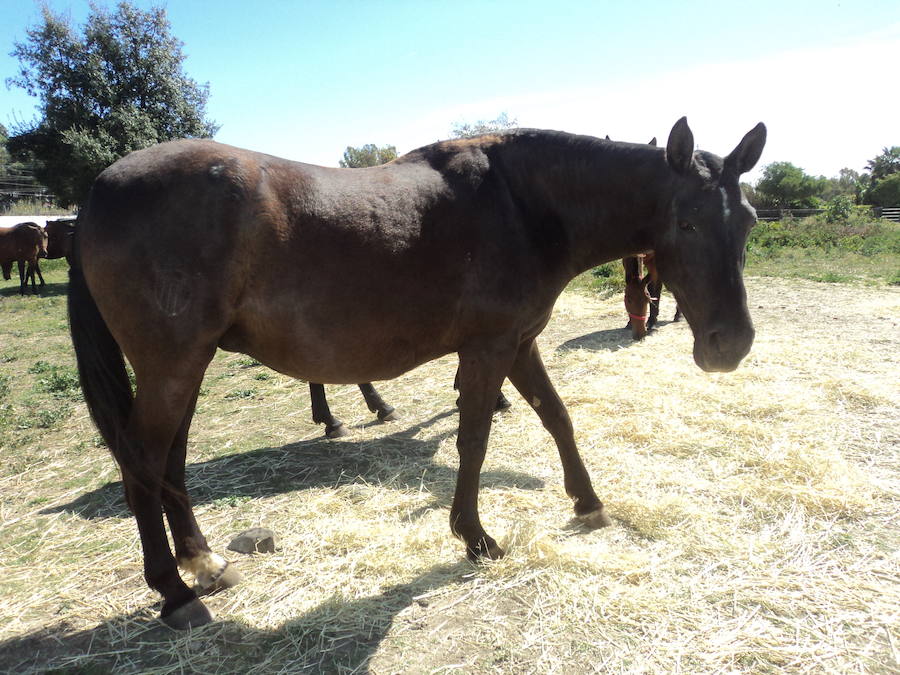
{"x":885,"y":212}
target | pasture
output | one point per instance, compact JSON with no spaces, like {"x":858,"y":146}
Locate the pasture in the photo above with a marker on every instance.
{"x":755,"y":513}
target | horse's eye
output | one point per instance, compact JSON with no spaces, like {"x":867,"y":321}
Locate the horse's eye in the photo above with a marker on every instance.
{"x":686,"y":226}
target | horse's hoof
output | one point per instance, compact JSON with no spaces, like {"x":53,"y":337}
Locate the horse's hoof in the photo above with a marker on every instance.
{"x":596,"y":519}
{"x":228,"y":578}
{"x":484,"y":549}
{"x":388,"y":415}
{"x":502,"y":404}
{"x":338,"y":431}
{"x":191,"y":615}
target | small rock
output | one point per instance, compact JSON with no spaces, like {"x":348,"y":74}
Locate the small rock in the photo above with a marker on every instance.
{"x":254,"y":540}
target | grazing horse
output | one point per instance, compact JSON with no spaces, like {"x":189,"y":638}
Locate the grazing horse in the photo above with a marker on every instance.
{"x":642,"y":294}
{"x":461,"y":246}
{"x":59,"y":238}
{"x":334,"y":428}
{"x":24,"y":244}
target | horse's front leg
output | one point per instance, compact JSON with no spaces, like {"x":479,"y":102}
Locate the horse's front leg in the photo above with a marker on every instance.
{"x":529,"y":376}
{"x":376,"y":404}
{"x":321,"y":413}
{"x":480,"y":376}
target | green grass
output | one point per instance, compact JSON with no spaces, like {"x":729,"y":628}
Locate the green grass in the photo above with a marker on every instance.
{"x":861,"y":250}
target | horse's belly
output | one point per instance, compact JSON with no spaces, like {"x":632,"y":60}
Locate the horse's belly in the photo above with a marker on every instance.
{"x":347,"y":354}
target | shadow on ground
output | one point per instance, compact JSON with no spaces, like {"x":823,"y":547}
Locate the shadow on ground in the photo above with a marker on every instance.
{"x":338,"y":635}
{"x":11,"y":290}
{"x":399,"y":461}
{"x":609,"y":339}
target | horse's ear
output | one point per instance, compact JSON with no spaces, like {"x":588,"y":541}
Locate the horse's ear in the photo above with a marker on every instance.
{"x":745,"y":156}
{"x":680,"y":147}
{"x":652,"y":142}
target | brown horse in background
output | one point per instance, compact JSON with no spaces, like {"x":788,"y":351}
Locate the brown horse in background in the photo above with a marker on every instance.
{"x":24,"y":244}
{"x":60,"y":234}
{"x":460,"y":246}
{"x":643,"y":294}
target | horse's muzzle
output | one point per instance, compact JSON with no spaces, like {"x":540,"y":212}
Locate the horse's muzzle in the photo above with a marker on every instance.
{"x":721,"y":349}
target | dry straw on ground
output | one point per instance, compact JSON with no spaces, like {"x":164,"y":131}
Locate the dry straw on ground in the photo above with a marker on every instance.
{"x":756,"y":516}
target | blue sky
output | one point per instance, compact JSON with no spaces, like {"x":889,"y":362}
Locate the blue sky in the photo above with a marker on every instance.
{"x":305,"y":79}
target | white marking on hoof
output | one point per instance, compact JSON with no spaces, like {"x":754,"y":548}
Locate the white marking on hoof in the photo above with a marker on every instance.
{"x":211,"y":571}
{"x":596,"y":519}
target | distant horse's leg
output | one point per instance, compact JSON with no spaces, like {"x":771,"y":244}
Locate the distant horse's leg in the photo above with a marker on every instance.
{"x":654,"y":288}
{"x":193,"y":554}
{"x":376,"y":404}
{"x":677,"y":313}
{"x":23,"y":278}
{"x":530,"y":378}
{"x":480,"y":377}
{"x":157,"y":416}
{"x":321,"y":413}
{"x":501,"y":404}
{"x":37,"y":268}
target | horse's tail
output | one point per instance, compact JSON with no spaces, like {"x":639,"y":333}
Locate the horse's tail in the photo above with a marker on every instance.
{"x":101,"y":366}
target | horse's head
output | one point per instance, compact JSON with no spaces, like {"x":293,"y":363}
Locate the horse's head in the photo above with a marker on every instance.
{"x":700,"y":252}
{"x":637,"y":297}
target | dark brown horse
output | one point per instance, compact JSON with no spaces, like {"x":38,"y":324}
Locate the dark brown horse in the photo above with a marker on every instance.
{"x":642,"y":294}
{"x":461,"y":246}
{"x":60,"y":234}
{"x":25,"y":244}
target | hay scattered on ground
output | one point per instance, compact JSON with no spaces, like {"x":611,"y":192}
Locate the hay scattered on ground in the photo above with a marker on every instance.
{"x":756,"y":515}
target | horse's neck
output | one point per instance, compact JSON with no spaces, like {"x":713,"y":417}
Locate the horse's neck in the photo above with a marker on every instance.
{"x":608,"y":200}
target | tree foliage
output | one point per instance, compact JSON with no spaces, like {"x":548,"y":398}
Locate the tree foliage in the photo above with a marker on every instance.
{"x":115,"y":86}
{"x":885,"y":192}
{"x":467,"y":130}
{"x":887,"y":163}
{"x":367,"y":155}
{"x":881,"y":189}
{"x":786,"y":186}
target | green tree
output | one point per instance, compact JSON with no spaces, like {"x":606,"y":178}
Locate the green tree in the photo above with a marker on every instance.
{"x":467,"y":130}
{"x":845,"y":184}
{"x":113,"y":87}
{"x":786,"y":186}
{"x":367,"y":155}
{"x":885,"y":192}
{"x":887,"y":163}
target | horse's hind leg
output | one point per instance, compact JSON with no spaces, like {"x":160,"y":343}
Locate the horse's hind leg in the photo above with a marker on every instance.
{"x":376,"y":404}
{"x":37,"y":268}
{"x":321,"y":413}
{"x":193,"y":554}
{"x":529,"y":376}
{"x":23,"y":278}
{"x":158,"y":413}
